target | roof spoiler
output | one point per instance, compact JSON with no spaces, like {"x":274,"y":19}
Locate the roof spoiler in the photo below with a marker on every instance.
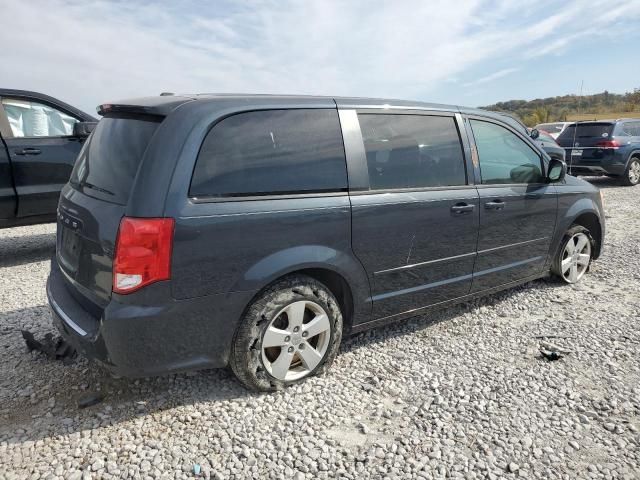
{"x":106,"y":108}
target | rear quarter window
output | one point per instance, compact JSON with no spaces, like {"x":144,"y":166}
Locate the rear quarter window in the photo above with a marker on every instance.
{"x":272,"y":152}
{"x":631,"y":129}
{"x":108,"y":162}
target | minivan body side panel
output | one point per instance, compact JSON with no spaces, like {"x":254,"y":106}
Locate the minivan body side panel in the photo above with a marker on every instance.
{"x":513,"y":242}
{"x":224,"y":247}
{"x":417,"y":252}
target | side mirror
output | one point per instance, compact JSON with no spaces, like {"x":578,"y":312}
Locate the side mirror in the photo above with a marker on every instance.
{"x":534,"y":133}
{"x":557,"y":170}
{"x":83,"y":129}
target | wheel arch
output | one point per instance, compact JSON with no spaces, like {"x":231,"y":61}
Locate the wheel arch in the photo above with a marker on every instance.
{"x":591,"y":222}
{"x":633,"y":154}
{"x":341,"y":273}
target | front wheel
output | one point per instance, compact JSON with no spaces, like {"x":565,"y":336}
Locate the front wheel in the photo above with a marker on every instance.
{"x":632,"y":176}
{"x":574,"y":256}
{"x":290,"y":332}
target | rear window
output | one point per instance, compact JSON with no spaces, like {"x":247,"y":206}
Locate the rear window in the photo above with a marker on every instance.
{"x":272,"y":152}
{"x":587,"y":130}
{"x":109,"y":160}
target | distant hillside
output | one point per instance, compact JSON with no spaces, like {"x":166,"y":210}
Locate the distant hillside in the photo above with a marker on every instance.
{"x":571,"y":107}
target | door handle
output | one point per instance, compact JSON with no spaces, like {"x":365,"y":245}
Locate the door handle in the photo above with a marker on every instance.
{"x":462,"y":208}
{"x":28,"y":151}
{"x":495,"y":205}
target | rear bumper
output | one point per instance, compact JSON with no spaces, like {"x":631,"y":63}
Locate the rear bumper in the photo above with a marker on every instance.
{"x":611,"y":164}
{"x":596,"y":170}
{"x":148,"y":338}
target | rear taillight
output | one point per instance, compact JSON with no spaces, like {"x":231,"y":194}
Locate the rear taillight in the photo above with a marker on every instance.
{"x":143,"y":253}
{"x":608,"y":144}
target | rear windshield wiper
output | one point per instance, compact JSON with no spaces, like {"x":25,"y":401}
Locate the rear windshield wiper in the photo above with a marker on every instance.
{"x":99,"y":189}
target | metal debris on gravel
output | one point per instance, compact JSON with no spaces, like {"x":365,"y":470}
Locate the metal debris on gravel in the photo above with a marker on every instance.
{"x":460,"y":393}
{"x":55,"y":348}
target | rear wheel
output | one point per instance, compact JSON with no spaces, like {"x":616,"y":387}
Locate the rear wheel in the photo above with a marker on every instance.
{"x":632,"y":176}
{"x":574,"y":256}
{"x":290,"y":332}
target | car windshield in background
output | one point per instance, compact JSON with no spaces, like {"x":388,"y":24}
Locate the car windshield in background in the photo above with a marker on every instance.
{"x":588,"y":130}
{"x":550,"y":127}
{"x":108,"y":162}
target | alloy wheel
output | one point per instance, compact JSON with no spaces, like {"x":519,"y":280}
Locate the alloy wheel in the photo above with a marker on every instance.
{"x":634,"y":172}
{"x":576,"y":257}
{"x":296,"y":340}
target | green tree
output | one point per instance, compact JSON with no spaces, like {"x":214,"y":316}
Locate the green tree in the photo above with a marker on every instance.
{"x":541,"y":115}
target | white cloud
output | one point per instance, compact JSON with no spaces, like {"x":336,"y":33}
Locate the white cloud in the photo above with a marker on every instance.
{"x":493,"y":76}
{"x":95,"y":51}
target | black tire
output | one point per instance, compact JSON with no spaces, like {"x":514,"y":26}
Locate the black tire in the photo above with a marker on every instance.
{"x":626,"y":179}
{"x":556,"y":267}
{"x":246,"y":358}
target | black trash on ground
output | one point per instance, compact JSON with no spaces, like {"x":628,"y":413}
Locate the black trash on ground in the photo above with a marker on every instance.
{"x":90,"y":400}
{"x":55,"y":348}
{"x":552,"y":352}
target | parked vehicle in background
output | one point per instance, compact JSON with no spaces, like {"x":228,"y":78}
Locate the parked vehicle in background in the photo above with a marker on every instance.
{"x":553,"y":129}
{"x":604,"y":147}
{"x":549,"y":145}
{"x":40,"y":138}
{"x":255,"y":231}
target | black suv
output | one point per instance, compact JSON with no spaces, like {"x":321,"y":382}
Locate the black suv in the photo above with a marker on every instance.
{"x":255,"y":231}
{"x":604,"y":147}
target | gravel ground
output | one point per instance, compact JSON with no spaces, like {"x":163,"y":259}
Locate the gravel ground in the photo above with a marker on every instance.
{"x":461,"y":393}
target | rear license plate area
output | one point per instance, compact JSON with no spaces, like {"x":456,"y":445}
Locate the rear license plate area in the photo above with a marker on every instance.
{"x":70,"y":246}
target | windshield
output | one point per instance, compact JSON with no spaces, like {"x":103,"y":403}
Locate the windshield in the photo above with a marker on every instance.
{"x":109,"y":160}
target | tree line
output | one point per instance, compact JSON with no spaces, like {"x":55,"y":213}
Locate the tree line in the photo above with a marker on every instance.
{"x":568,"y":107}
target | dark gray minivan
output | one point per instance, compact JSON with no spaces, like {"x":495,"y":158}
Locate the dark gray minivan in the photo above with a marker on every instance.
{"x":255,"y":231}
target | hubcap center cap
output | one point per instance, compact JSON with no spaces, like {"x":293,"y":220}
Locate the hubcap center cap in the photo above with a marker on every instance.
{"x":296,"y":338}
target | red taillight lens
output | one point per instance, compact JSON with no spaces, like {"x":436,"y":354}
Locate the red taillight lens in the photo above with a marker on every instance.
{"x":143,"y":253}
{"x":608,"y":144}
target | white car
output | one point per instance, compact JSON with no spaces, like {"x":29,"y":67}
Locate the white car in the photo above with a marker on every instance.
{"x":554,"y":129}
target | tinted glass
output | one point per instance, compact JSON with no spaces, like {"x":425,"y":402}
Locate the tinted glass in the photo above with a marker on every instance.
{"x":272,"y":152}
{"x":504,"y":157}
{"x":33,"y":119}
{"x":412,"y":151}
{"x":109,"y":160}
{"x":587,"y":130}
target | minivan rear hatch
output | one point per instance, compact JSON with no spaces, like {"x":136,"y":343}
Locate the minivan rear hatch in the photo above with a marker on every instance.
{"x":95,"y":200}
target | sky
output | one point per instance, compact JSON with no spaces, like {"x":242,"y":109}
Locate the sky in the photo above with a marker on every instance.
{"x":463,"y":52}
